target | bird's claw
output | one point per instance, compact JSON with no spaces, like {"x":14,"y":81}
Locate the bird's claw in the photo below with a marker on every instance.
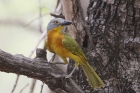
{"x":68,"y":76}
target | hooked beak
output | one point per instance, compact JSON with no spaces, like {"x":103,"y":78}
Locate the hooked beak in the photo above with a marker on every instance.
{"x":66,"y":22}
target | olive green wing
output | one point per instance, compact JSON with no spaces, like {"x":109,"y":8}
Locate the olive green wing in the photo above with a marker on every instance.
{"x":71,"y":45}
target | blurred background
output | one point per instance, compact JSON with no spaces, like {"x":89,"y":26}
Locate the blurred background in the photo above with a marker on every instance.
{"x":20,"y":29}
{"x":22,"y":23}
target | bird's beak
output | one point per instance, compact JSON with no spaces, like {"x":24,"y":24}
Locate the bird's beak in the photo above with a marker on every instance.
{"x":66,"y":22}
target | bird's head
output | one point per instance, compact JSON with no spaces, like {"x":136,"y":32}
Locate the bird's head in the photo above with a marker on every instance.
{"x":57,"y":22}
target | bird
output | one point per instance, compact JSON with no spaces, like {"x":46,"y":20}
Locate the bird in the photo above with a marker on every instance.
{"x":65,"y":46}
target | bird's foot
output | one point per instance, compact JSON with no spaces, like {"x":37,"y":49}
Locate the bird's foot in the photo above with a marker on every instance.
{"x":68,"y":76}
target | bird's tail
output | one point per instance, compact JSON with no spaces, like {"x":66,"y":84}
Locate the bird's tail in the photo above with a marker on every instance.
{"x":93,"y":79}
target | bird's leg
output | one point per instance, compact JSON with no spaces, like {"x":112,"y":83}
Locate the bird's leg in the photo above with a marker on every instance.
{"x":68,"y":76}
{"x":76,"y":65}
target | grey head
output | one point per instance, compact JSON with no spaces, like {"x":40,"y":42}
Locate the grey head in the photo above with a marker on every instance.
{"x":56,"y":22}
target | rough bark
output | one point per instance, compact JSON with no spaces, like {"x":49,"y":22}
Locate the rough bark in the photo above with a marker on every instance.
{"x":115,"y":31}
{"x":81,"y":32}
{"x":73,"y":11}
{"x":38,"y":68}
{"x":116,"y":24}
{"x":112,"y":44}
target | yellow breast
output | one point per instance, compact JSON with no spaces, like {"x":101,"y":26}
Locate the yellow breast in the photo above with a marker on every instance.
{"x":55,"y":42}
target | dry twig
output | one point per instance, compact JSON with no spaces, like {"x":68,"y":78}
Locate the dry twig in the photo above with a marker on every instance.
{"x":42,"y":88}
{"x":15,"y":84}
{"x":37,"y":68}
{"x":23,"y":88}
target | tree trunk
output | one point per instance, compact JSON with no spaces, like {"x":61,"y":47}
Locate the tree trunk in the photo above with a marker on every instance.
{"x":115,"y":52}
{"x":110,"y":40}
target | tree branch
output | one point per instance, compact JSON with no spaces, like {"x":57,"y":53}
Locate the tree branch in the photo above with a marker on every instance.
{"x":37,"y":68}
{"x":73,"y":11}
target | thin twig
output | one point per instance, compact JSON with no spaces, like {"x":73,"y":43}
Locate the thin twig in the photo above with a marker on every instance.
{"x":40,"y":29}
{"x":39,"y":41}
{"x":53,"y":57}
{"x":23,"y":88}
{"x":58,"y":10}
{"x":35,"y":68}
{"x":15,"y":84}
{"x":56,"y":15}
{"x":31,"y":53}
{"x":40,"y":17}
{"x":33,"y":85}
{"x":42,"y":88}
{"x":35,"y":19}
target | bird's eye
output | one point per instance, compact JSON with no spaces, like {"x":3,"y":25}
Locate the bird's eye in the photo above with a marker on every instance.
{"x":56,"y":22}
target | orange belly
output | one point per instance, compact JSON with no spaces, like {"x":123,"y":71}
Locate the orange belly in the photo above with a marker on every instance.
{"x":54,"y":40}
{"x":55,"y":43}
